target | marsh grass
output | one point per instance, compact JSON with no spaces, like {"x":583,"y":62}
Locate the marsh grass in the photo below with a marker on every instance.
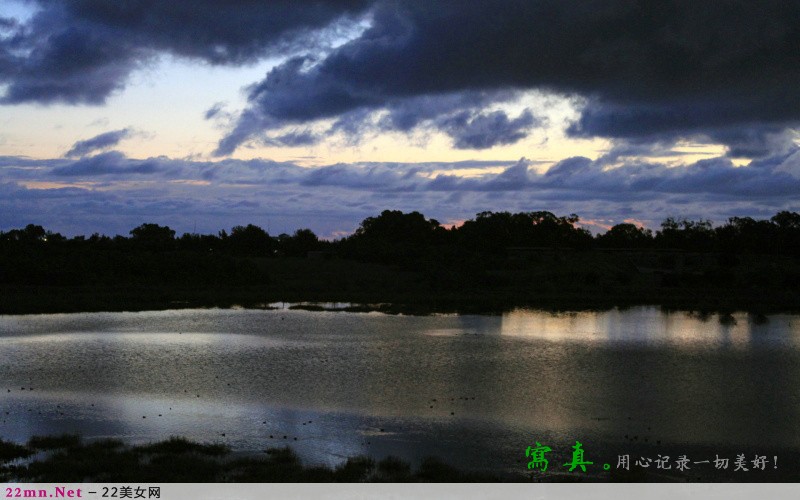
{"x":13,"y":451}
{"x":54,"y":442}
{"x":178,"y":445}
{"x":67,"y":458}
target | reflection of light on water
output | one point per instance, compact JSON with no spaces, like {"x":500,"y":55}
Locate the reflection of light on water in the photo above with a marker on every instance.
{"x":120,"y":341}
{"x":650,"y":325}
{"x":333,"y":306}
{"x":444,"y":332}
{"x":550,"y":326}
{"x":318,"y":437}
{"x":569,"y":375}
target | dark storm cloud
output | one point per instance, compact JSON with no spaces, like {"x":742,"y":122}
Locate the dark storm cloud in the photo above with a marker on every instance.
{"x":98,"y":142}
{"x":749,"y":128}
{"x":647,"y":69}
{"x":81,"y":51}
{"x":56,"y":58}
{"x":231,"y":32}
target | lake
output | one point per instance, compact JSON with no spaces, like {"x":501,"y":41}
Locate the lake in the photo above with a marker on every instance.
{"x":474,"y":391}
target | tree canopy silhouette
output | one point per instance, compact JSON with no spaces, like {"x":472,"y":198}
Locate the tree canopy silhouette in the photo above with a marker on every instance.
{"x":153,"y":236}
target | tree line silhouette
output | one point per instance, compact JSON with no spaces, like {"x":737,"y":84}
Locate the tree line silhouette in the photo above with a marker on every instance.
{"x":153,"y":254}
{"x":514,"y":254}
{"x":394,"y":236}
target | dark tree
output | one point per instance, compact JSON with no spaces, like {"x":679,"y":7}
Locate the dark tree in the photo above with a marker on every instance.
{"x":31,"y":233}
{"x":745,"y":234}
{"x":626,"y":235}
{"x":300,"y":243}
{"x":395,"y":226}
{"x":686,"y":234}
{"x":788,"y":232}
{"x":153,"y":237}
{"x":494,"y":232}
{"x":394,"y":237}
{"x":250,"y":240}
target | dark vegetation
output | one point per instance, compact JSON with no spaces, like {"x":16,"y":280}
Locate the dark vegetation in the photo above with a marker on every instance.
{"x":406,"y":262}
{"x":70,"y":460}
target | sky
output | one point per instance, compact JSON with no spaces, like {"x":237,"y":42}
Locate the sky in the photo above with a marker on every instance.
{"x":203,"y":115}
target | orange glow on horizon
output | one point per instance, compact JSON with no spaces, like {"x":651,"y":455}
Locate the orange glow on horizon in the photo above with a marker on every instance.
{"x":594,"y":223}
{"x":636,"y":222}
{"x":43,"y":185}
{"x":452,"y":224}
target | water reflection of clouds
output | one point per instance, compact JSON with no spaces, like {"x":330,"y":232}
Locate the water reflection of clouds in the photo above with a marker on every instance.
{"x":466,"y":325}
{"x":653,"y":326}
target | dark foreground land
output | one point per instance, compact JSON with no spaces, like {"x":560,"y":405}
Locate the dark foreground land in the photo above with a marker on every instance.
{"x":587,"y":281}
{"x":68,"y":459}
{"x":405,"y":263}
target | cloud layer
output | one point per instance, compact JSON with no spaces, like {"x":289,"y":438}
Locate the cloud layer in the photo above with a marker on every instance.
{"x":722,"y":71}
{"x":110,"y":192}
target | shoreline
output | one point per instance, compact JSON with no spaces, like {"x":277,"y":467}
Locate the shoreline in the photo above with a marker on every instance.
{"x":21,"y":300}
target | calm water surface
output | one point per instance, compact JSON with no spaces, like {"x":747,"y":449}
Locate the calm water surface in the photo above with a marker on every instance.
{"x":472,"y":390}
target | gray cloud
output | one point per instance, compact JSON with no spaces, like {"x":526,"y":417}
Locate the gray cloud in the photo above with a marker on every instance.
{"x":216,"y":110}
{"x":775,"y":177}
{"x":109,"y":192}
{"x":98,"y":142}
{"x":458,"y":115}
{"x":336,"y":197}
{"x":485,"y":130}
{"x":756,"y":141}
{"x":293,"y":139}
{"x":109,"y":163}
